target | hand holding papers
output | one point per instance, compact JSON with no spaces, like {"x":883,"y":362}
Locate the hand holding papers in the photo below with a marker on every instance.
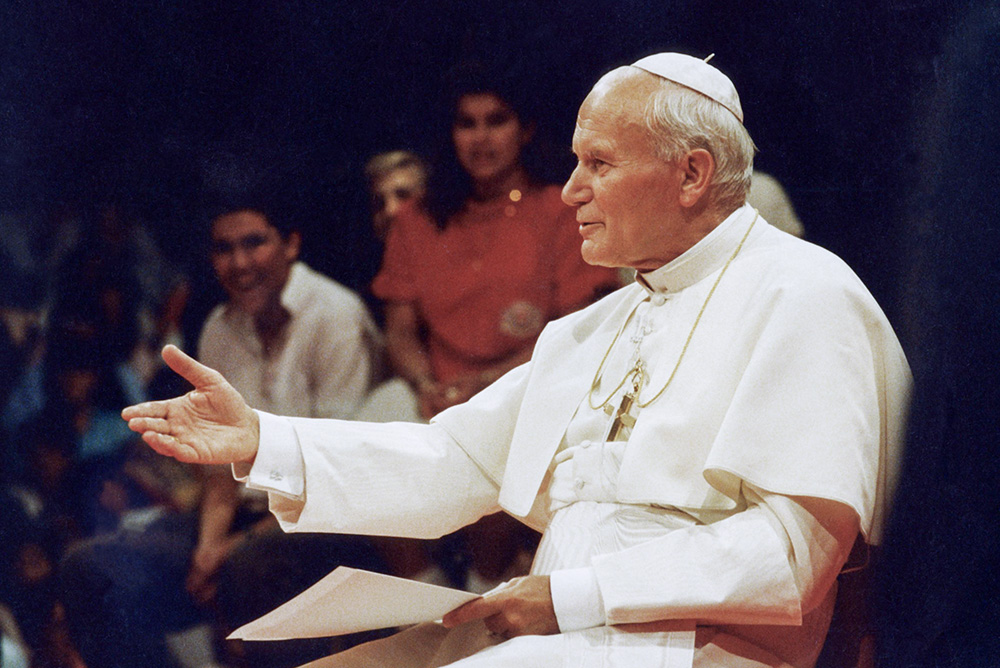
{"x":350,"y":600}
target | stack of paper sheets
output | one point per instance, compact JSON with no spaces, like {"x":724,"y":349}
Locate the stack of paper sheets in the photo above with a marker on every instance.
{"x":350,"y":600}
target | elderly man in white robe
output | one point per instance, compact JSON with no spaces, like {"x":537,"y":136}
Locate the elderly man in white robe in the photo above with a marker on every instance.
{"x":701,"y":449}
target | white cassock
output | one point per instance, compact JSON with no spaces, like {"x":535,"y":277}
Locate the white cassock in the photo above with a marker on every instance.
{"x":709,"y":535}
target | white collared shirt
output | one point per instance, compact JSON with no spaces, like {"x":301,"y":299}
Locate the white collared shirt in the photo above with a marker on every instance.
{"x":324,"y":363}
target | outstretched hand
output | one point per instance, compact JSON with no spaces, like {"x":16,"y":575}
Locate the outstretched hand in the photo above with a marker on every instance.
{"x":520,"y":607}
{"x":211,"y":424}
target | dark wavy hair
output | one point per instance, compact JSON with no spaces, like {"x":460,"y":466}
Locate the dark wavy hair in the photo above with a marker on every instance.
{"x":267,"y":199}
{"x":449,"y":186}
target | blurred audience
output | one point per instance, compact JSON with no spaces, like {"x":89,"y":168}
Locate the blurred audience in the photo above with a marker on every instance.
{"x":293,"y":342}
{"x":27,"y":596}
{"x":396,"y":179}
{"x":461,"y":307}
{"x":769,"y":198}
{"x":72,"y":323}
{"x":14,"y":653}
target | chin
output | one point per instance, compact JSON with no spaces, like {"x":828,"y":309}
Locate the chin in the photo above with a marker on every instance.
{"x":595,"y":257}
{"x":251,"y":307}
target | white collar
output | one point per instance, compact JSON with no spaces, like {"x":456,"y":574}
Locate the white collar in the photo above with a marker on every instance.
{"x":701,"y":260}
{"x":294,"y":292}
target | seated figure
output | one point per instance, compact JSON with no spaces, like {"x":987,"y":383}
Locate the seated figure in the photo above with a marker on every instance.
{"x":701,"y":448}
{"x":292,"y":341}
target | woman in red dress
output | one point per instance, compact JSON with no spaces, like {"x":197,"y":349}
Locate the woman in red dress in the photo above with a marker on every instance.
{"x":470,"y":279}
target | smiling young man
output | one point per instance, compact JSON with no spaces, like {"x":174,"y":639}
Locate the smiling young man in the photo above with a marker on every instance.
{"x":291,"y":341}
{"x":701,"y":448}
{"x":286,"y":335}
{"x":252,"y":260}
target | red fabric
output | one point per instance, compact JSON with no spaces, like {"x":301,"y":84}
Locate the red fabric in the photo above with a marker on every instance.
{"x":486,"y":285}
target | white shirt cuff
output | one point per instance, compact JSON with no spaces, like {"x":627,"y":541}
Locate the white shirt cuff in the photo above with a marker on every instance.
{"x":278,"y":466}
{"x":577,"y":599}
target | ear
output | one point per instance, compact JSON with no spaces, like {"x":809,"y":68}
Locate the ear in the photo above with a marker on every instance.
{"x":293,"y":244}
{"x":698,"y":168}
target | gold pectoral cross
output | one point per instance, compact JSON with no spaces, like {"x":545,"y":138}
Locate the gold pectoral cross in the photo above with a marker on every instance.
{"x":623,"y":418}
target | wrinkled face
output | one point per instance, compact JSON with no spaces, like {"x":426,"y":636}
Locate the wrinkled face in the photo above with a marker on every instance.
{"x":251,"y":259}
{"x":626,"y":197}
{"x":393,"y":191}
{"x":488,"y":137}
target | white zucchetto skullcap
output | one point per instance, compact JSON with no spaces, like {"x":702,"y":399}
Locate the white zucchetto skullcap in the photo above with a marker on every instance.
{"x":695,"y":74}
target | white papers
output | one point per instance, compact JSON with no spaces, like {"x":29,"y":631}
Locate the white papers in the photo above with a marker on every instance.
{"x":349,"y":600}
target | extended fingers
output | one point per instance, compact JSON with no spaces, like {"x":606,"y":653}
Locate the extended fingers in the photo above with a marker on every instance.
{"x":150,"y":420}
{"x":143,"y":424}
{"x":189,"y":368}
{"x":166,"y":444}
{"x":147,"y":409}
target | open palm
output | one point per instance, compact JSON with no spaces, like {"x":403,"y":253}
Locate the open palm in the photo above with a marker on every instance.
{"x":211,"y":424}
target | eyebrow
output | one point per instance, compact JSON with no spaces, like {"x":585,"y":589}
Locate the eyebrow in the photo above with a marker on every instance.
{"x":598,"y":147}
{"x":246,"y":241}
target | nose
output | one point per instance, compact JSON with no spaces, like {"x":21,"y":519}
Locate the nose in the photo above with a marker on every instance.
{"x":240,"y":258}
{"x":392,"y":206}
{"x":479,"y":140}
{"x":481,"y":132}
{"x":576,"y":192}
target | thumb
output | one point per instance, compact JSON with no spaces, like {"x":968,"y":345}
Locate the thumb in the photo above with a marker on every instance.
{"x":189,"y":368}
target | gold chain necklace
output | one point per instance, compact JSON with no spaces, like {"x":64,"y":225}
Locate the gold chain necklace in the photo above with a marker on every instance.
{"x":637,"y":372}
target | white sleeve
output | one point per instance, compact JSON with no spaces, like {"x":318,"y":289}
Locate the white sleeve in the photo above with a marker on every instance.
{"x":394,"y":479}
{"x":770,"y":564}
{"x":278,"y":466}
{"x":576,"y":598}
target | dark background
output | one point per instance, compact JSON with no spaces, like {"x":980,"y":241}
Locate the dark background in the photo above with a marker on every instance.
{"x":881,"y":119}
{"x":156,"y":101}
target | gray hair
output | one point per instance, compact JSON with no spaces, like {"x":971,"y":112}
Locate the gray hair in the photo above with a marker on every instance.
{"x":680,"y":119}
{"x":382,"y":164}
